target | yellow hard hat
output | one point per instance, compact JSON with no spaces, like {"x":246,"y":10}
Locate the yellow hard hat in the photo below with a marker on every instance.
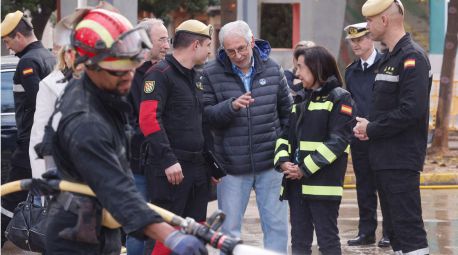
{"x":195,"y":27}
{"x":10,"y":22}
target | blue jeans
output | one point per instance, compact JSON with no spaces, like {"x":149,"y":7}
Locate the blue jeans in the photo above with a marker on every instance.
{"x":233,"y":195}
{"x":136,"y":246}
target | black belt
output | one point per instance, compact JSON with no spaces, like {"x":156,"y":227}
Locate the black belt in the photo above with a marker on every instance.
{"x":190,"y":156}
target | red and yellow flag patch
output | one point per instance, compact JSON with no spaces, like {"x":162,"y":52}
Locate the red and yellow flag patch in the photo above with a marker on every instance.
{"x":27,"y":71}
{"x":346,"y":109}
{"x":409,"y":63}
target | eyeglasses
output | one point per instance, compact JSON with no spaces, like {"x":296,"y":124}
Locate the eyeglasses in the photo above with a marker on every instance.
{"x":400,"y":6}
{"x":240,"y":50}
{"x":117,"y":73}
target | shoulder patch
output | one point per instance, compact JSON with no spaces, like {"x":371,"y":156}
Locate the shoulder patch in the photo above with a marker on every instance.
{"x":346,"y":109}
{"x":409,"y":63}
{"x":27,"y":71}
{"x":148,"y":87}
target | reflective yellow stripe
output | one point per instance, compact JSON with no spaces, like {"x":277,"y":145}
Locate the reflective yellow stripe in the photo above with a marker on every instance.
{"x":322,"y":190}
{"x":321,"y":106}
{"x":308,"y":162}
{"x":101,"y":30}
{"x":281,"y":190}
{"x":293,"y":110}
{"x":281,"y":141}
{"x":326,"y":153}
{"x":280,"y":154}
{"x":308,"y":146}
{"x":347,"y":150}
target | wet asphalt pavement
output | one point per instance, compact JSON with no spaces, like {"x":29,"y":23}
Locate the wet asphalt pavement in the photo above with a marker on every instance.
{"x":440,"y":214}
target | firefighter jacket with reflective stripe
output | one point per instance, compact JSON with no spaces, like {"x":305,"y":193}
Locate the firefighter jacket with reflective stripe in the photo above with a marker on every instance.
{"x":171,"y":112}
{"x":35,"y":63}
{"x":399,"y":114}
{"x":317,"y":139}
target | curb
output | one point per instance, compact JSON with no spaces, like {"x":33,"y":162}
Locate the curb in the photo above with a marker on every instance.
{"x":426,"y":179}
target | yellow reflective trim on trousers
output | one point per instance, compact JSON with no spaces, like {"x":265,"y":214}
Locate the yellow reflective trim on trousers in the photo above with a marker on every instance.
{"x":327,"y":105}
{"x":293,"y":109}
{"x":326,"y":153}
{"x":101,"y":31}
{"x":347,"y":150}
{"x":322,"y":190}
{"x":308,"y":162}
{"x":281,"y":190}
{"x":280,"y":154}
{"x":308,"y":146}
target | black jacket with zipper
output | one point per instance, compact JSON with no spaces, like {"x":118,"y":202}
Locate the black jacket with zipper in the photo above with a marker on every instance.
{"x":244,"y":140}
{"x":317,"y":139}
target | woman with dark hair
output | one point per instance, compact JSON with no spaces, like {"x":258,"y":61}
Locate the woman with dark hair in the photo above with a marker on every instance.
{"x":312,"y":152}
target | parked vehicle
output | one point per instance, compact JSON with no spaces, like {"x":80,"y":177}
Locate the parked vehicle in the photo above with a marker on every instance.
{"x":8,"y":122}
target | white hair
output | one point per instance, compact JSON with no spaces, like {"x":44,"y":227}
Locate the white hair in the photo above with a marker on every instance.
{"x":149,"y":23}
{"x":238,"y":27}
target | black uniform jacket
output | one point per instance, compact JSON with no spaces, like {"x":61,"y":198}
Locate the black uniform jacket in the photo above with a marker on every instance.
{"x":360,"y":84}
{"x":91,"y":147}
{"x":399,"y":115}
{"x":35,"y":63}
{"x":134,"y":99}
{"x":171,"y":112}
{"x":317,"y":139}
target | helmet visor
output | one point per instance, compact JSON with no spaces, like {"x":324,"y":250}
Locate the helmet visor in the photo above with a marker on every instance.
{"x":131,"y":44}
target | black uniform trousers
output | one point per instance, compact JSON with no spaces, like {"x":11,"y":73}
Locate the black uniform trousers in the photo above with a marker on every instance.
{"x":401,"y":208}
{"x":366,"y":188}
{"x":10,"y":201}
{"x":190,"y":197}
{"x":308,"y":215}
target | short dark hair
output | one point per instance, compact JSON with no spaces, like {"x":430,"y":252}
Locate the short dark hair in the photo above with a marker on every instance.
{"x":23,"y":27}
{"x":183,"y":39}
{"x":321,"y":63}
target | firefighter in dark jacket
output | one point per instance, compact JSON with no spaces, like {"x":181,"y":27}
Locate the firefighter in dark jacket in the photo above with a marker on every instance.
{"x":312,"y":153}
{"x":35,"y":63}
{"x":359,"y":78}
{"x":397,"y":128}
{"x":90,"y":145}
{"x":171,"y":121}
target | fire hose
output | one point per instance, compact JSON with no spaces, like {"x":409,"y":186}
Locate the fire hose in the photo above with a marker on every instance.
{"x":207,"y":232}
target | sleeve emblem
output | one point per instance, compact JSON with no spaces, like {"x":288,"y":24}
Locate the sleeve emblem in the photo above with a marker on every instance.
{"x":346,"y":109}
{"x":149,"y":86}
{"x":409,"y":63}
{"x":27,"y":71}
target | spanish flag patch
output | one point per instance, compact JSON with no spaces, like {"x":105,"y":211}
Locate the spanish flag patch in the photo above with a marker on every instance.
{"x":409,"y":63}
{"x":27,"y":71}
{"x":346,"y":109}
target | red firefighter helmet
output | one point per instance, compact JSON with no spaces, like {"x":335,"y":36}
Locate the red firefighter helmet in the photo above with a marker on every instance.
{"x":106,"y":39}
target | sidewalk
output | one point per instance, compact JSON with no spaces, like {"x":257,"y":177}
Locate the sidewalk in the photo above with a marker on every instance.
{"x":443,"y":171}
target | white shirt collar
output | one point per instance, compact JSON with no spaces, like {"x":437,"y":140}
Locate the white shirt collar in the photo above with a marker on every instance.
{"x":370,"y":60}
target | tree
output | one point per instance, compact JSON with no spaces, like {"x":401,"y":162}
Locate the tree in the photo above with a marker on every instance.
{"x":40,"y":11}
{"x":439,"y":144}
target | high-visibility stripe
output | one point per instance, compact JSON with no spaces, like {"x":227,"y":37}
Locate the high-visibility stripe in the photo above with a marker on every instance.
{"x":308,"y":146}
{"x":148,"y":117}
{"x":281,"y":190}
{"x":326,"y":153}
{"x":293,"y":109}
{"x":281,"y":141}
{"x":280,"y":154}
{"x":387,"y":77}
{"x":327,"y":105}
{"x":422,"y":251}
{"x":308,"y":162}
{"x":347,"y":150}
{"x":322,"y":190}
{"x":101,"y":30}
{"x":18,"y":88}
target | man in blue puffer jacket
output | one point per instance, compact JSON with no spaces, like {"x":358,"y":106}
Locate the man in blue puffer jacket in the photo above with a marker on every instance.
{"x":247,"y":103}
